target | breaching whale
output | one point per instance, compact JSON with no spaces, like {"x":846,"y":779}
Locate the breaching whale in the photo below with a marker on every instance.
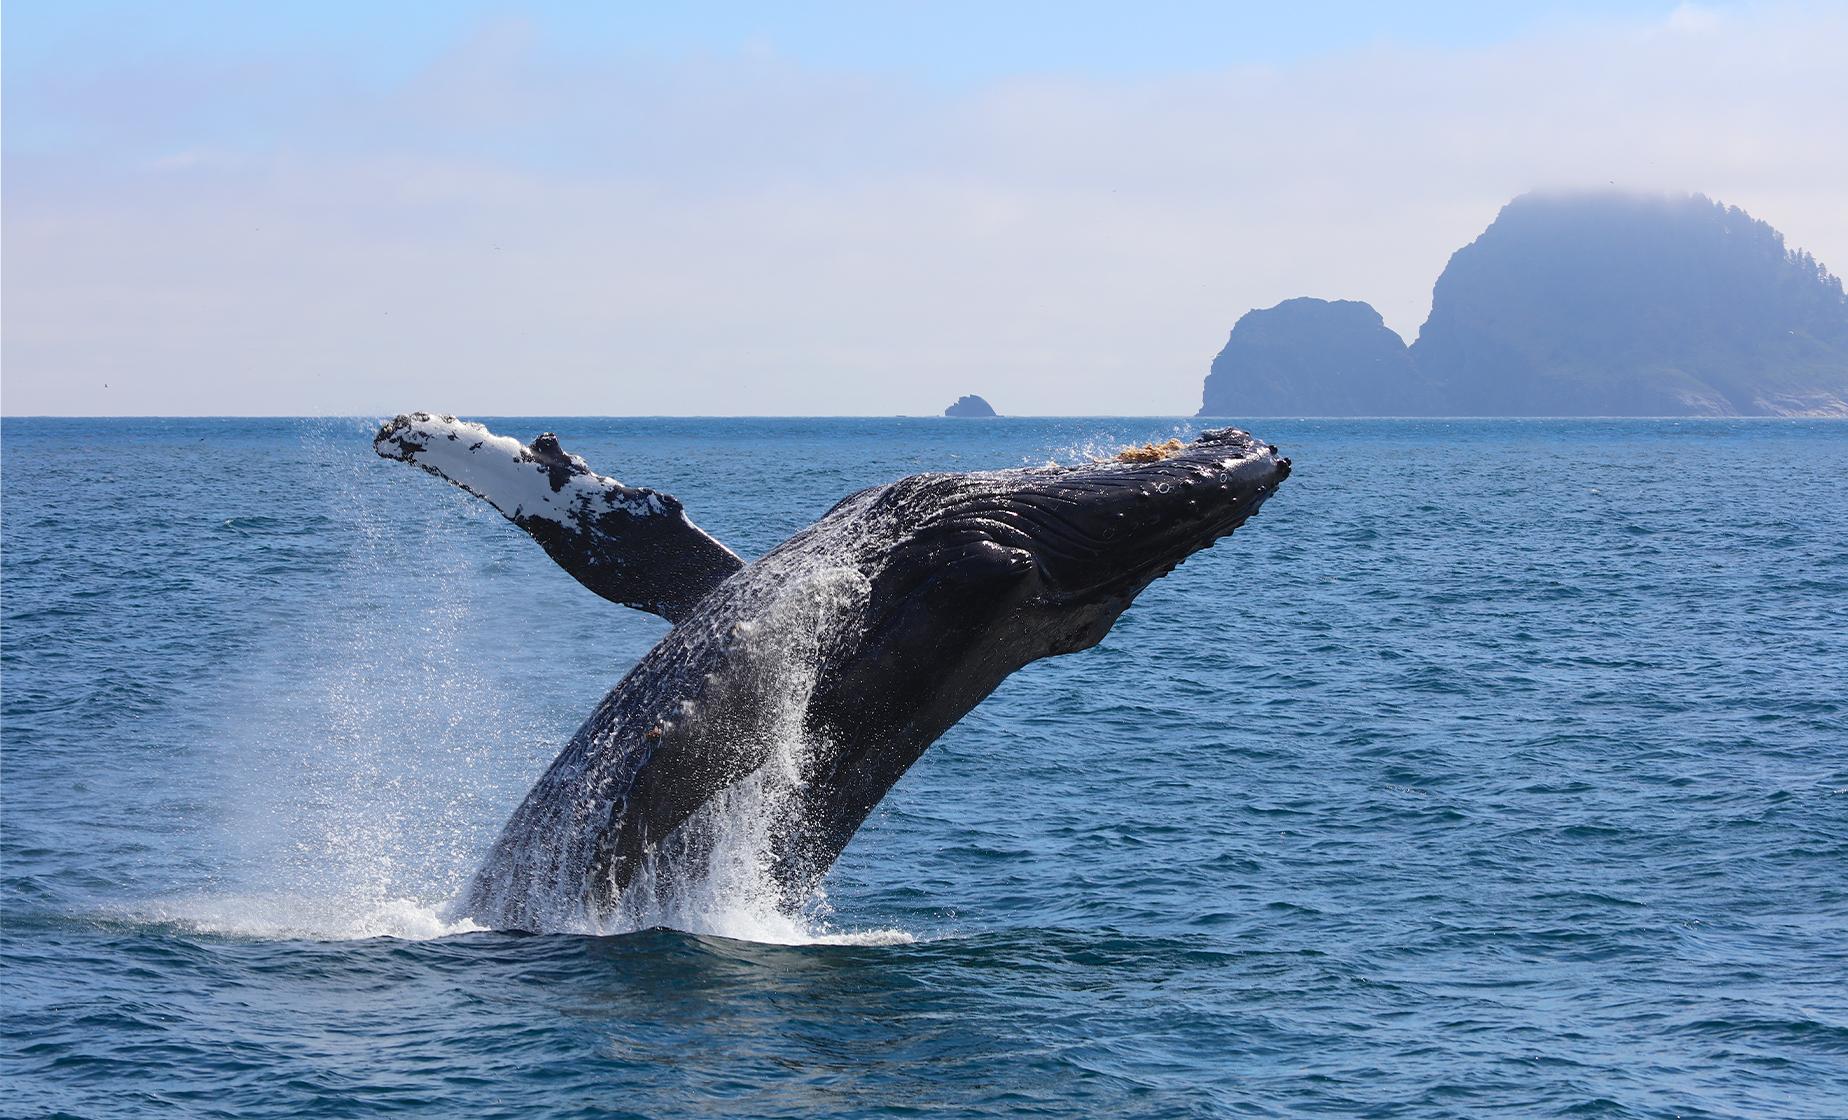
{"x":818,"y":674}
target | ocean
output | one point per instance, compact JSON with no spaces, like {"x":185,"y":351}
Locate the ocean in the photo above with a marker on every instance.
{"x":1498,"y":768}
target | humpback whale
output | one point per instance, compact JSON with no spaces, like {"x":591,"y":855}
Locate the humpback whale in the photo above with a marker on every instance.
{"x":815,"y":676}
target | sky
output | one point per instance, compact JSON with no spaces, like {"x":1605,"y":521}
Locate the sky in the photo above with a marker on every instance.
{"x":823,"y":209}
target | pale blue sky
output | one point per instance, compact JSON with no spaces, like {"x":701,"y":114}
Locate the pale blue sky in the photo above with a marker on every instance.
{"x":844,"y":208}
{"x":951,"y":40}
{"x":955,"y":43}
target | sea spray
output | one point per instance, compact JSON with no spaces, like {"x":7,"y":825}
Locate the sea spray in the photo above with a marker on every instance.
{"x":717,"y":873}
{"x":363,"y":759}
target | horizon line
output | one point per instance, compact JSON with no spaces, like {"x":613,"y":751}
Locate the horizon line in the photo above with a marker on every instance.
{"x":888,"y":416}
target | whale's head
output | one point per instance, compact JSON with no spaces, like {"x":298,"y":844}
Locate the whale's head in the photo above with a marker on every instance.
{"x":1052,"y":555}
{"x":1100,"y":532}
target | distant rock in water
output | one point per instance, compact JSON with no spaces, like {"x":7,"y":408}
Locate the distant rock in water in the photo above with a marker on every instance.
{"x":1599,"y":304}
{"x":1313,"y":357}
{"x":970,"y":405}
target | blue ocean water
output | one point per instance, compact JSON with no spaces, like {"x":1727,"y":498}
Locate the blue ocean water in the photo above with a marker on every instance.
{"x":1498,"y":768}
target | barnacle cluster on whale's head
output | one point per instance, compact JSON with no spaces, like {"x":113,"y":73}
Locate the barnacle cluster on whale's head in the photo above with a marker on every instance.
{"x":1150,"y":452}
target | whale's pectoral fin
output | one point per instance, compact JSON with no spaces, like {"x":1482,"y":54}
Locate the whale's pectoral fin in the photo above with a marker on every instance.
{"x":631,"y":546}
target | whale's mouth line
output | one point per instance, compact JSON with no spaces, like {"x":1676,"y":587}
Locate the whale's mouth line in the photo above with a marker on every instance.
{"x":1063,"y":545}
{"x":1166,"y":560}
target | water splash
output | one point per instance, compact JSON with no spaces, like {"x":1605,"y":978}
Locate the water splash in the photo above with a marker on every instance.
{"x":1104,"y":444}
{"x":333,"y":822}
{"x":746,"y":673}
{"x":717,"y":873}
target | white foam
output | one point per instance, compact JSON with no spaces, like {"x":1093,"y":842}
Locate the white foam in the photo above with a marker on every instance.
{"x":304,"y":918}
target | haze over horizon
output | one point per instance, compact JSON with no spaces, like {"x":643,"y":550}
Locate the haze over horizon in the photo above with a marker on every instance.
{"x":534,"y":210}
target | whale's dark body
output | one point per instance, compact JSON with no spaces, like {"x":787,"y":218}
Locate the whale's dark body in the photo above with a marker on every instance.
{"x":860,"y":640}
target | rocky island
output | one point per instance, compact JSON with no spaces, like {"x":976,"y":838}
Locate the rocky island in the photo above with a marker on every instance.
{"x":970,"y":405}
{"x":1605,"y":304}
{"x":1339,"y":354}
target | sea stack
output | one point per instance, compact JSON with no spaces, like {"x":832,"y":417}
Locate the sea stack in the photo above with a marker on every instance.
{"x":1314,"y":357}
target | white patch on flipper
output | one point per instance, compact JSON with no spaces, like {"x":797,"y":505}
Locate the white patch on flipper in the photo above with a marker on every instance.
{"x":503,"y":472}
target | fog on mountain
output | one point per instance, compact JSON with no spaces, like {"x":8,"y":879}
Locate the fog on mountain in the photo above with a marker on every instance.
{"x":1606,"y":304}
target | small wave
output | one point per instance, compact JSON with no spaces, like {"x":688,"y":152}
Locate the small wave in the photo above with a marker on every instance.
{"x":295,"y":918}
